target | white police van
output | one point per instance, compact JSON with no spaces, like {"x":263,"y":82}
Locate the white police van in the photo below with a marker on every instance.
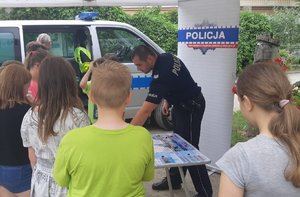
{"x":103,"y":37}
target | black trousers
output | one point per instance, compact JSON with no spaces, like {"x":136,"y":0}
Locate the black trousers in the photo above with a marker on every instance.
{"x":187,"y":123}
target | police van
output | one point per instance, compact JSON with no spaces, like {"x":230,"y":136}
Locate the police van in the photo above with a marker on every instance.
{"x":103,"y":37}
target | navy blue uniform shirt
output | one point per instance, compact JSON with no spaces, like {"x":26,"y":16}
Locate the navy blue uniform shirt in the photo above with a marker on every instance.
{"x":171,"y":81}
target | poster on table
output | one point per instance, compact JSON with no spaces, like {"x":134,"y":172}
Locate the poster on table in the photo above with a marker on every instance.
{"x":172,"y":150}
{"x":207,"y":44}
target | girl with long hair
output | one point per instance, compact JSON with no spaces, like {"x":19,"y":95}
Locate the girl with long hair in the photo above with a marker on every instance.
{"x":15,"y":170}
{"x":59,"y":110}
{"x":32,"y":63}
{"x":268,"y":164}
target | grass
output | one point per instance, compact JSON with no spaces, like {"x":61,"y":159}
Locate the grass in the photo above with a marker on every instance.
{"x":241,"y":130}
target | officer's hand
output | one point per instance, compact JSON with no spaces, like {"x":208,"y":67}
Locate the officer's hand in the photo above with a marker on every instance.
{"x":165,"y":108}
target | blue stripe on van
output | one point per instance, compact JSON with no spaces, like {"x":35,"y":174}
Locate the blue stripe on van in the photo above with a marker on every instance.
{"x":141,"y":82}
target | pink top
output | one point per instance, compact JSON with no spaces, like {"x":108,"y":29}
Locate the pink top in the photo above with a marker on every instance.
{"x":33,"y":88}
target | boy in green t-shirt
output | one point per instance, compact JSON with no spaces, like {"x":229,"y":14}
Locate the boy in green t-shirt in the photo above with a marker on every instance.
{"x":111,"y":157}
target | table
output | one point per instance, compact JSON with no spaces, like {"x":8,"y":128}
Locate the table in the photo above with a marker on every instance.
{"x":171,"y":150}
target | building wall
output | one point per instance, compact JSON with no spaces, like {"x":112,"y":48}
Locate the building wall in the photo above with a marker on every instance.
{"x":268,"y":3}
{"x":133,"y":9}
{"x":260,"y":6}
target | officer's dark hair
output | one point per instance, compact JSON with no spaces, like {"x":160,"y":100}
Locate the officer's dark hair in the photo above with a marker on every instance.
{"x":80,"y":36}
{"x":142,"y":52}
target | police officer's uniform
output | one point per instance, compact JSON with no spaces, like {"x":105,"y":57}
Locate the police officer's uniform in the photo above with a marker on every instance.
{"x":173,"y":82}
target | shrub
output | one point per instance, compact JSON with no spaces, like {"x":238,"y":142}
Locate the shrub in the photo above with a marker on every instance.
{"x":285,"y":24}
{"x":155,"y":25}
{"x":251,"y":25}
{"x":54,"y":13}
{"x":241,"y":130}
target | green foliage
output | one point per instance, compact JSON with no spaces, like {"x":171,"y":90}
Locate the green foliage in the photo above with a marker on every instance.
{"x":161,"y":28}
{"x":105,"y":13}
{"x":296,"y":61}
{"x":296,"y":93}
{"x":171,"y":16}
{"x":239,"y":127}
{"x":241,"y":130}
{"x":285,"y":24}
{"x":287,"y":58}
{"x":251,"y":25}
{"x":155,"y":25}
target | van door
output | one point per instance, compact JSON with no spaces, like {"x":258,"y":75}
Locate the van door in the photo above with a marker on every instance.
{"x":63,"y":40}
{"x":120,"y":42}
{"x":63,"y":44}
{"x":10,"y":48}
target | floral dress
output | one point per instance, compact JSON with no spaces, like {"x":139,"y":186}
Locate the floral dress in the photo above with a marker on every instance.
{"x":42,"y":183}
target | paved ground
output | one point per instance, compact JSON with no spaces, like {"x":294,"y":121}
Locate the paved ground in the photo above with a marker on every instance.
{"x":160,"y":173}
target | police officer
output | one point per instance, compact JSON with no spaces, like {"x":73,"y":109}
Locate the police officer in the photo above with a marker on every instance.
{"x":82,"y":55}
{"x":82,"y":61}
{"x":173,"y":83}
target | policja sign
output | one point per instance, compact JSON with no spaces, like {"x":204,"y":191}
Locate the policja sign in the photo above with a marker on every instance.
{"x":207,"y":43}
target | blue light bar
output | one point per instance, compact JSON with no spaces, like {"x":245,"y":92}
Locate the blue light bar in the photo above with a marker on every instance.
{"x":88,"y":16}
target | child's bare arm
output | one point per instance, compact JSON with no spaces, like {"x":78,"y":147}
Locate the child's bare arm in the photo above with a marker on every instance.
{"x":32,"y":157}
{"x":86,"y":76}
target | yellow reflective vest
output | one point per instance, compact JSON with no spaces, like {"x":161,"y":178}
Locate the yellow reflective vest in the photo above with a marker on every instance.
{"x":83,"y":66}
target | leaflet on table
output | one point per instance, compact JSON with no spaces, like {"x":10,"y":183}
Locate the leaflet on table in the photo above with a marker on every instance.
{"x":164,"y":158}
{"x":171,"y":148}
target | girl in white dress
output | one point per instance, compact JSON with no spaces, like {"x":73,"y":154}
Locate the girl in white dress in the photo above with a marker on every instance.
{"x":59,"y":110}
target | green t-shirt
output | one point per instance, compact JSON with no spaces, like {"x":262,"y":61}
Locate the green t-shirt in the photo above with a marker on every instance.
{"x":92,"y":108}
{"x":96,"y":162}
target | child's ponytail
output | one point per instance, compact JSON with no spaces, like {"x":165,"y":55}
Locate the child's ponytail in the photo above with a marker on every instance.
{"x":286,"y":128}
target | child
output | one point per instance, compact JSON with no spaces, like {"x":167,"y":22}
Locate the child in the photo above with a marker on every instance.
{"x":15,"y":169}
{"x":268,"y":164}
{"x":59,"y":110}
{"x":85,"y":84}
{"x":33,"y":46}
{"x":110,"y":157}
{"x":32,"y":63}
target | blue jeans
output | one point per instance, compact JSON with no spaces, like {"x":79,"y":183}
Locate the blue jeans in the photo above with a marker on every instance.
{"x":16,"y":178}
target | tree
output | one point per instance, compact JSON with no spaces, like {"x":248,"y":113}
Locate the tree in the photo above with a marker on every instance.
{"x":157,"y":26}
{"x":251,"y":25}
{"x":285,"y":24}
{"x":53,"y":13}
{"x":161,"y":28}
{"x":172,"y":16}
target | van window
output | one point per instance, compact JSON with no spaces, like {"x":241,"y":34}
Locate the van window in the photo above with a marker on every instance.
{"x":62,"y":42}
{"x":9,"y":44}
{"x":7,"y":50}
{"x":63,"y":38}
{"x":118,"y":41}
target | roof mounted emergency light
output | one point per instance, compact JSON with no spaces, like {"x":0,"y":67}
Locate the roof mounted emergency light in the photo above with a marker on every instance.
{"x":87,"y":16}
